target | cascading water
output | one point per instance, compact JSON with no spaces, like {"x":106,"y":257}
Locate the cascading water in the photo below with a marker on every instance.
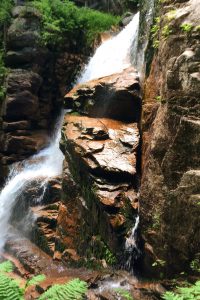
{"x":48,"y":163}
{"x":111,"y":57}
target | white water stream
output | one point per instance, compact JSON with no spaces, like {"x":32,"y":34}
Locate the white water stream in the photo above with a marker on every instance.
{"x":111,"y":57}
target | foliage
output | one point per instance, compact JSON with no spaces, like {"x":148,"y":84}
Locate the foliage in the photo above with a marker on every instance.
{"x":195,"y":263}
{"x":155,"y":32}
{"x":158,"y":98}
{"x":5,"y":12}
{"x":166,"y":31}
{"x":185,"y":293}
{"x":63,"y":20}
{"x":186,"y":27}
{"x":5,"y":17}
{"x":6,"y":266}
{"x":124,"y":293}
{"x":35,"y":280}
{"x":109,"y":256}
{"x":73,"y":290}
{"x":9,"y":288}
{"x":171,"y":14}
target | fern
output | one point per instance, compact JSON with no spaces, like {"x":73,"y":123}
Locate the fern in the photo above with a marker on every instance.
{"x":6,"y":266}
{"x":9,"y":288}
{"x":35,"y":280}
{"x":185,"y":293}
{"x":73,"y":290}
{"x":124,"y":293}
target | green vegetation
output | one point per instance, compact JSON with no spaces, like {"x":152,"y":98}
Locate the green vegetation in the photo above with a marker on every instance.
{"x":186,"y":27}
{"x":5,"y":12}
{"x":171,"y":15}
{"x":195,"y":263}
{"x":63,"y":21}
{"x":159,"y":262}
{"x":166,"y":31}
{"x":10,"y":288}
{"x":158,"y":98}
{"x":191,"y":292}
{"x":3,"y":72}
{"x":124,"y":293}
{"x":73,"y":290}
{"x":155,"y":32}
{"x":5,"y":17}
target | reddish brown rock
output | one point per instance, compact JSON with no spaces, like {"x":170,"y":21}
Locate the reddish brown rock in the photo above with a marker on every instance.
{"x":115,"y":97}
{"x":101,"y":153}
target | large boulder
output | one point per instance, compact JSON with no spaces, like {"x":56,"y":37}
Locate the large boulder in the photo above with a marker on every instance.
{"x":115,"y":97}
{"x":101,"y":147}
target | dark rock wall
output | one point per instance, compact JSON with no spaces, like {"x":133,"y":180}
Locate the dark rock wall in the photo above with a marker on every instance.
{"x":171,"y":142}
{"x":36,"y":82}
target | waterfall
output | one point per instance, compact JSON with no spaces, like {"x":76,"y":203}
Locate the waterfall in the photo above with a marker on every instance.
{"x":131,"y":249}
{"x":111,"y":57}
{"x":47,"y":163}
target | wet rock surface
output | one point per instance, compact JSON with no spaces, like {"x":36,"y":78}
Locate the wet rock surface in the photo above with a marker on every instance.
{"x":30,"y":260}
{"x":116,"y":97}
{"x":101,"y":147}
{"x":171,"y":145}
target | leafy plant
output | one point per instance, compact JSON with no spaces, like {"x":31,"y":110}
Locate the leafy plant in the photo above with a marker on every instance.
{"x":35,"y":280}
{"x":158,"y":98}
{"x":166,"y":31}
{"x":9,"y":288}
{"x":124,"y":293}
{"x":191,"y":292}
{"x":171,"y":14}
{"x":186,"y":27}
{"x":195,"y":263}
{"x":155,"y":32}
{"x":5,"y":12}
{"x":63,"y":20}
{"x":6,"y":266}
{"x":73,"y":290}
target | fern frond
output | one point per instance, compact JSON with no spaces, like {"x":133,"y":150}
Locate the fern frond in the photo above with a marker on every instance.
{"x":9,"y":288}
{"x":6,"y":266}
{"x":73,"y":290}
{"x":35,"y":280}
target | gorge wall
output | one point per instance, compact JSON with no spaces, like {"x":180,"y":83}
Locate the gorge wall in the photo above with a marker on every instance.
{"x":38,"y":78}
{"x":170,"y":185}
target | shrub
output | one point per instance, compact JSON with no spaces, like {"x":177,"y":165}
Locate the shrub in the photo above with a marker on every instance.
{"x":63,"y":20}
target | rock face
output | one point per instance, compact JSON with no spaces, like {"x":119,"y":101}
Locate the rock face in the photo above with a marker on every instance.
{"x":37,"y":80}
{"x":171,"y":142}
{"x":101,"y":148}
